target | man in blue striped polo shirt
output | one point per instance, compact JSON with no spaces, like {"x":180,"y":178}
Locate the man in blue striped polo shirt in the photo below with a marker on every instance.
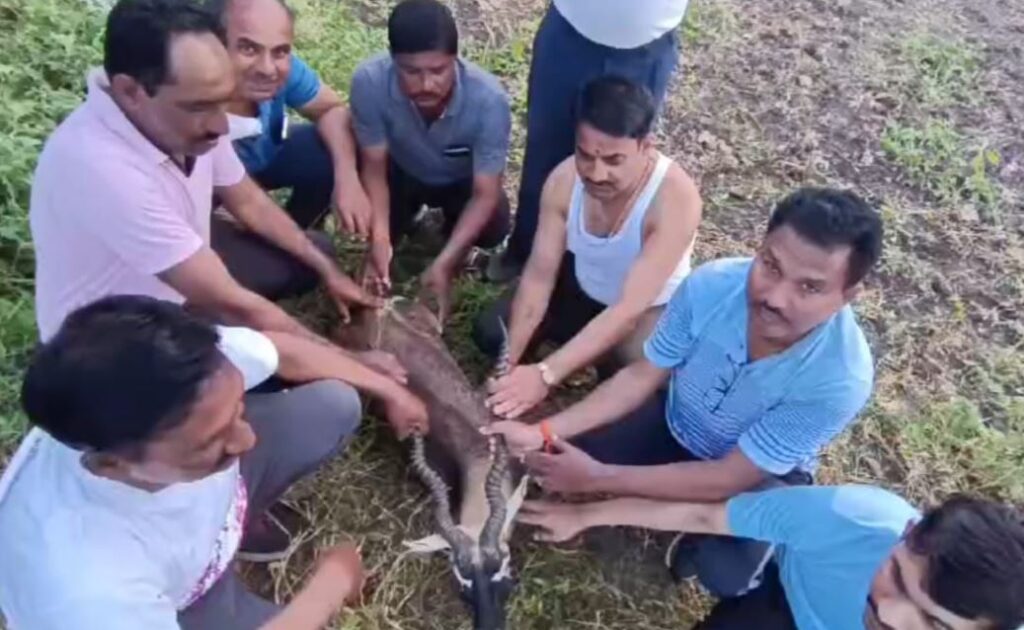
{"x":766,"y":364}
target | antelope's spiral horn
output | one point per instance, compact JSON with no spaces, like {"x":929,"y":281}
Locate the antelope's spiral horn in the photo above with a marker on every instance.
{"x":503,"y":365}
{"x":494,"y":485}
{"x":497,"y":502}
{"x":455,"y":537}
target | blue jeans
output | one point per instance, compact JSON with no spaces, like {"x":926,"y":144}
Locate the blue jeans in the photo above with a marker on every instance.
{"x":563,"y":62}
{"x":304,"y":165}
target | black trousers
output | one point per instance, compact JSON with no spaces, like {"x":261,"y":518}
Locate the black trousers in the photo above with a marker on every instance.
{"x":408,"y":195}
{"x":303,"y":165}
{"x":727,"y":566}
{"x":570,"y":309}
{"x":764,"y":608}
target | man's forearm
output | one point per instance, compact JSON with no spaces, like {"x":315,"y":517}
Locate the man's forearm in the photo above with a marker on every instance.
{"x":474,"y":218}
{"x":335,"y":130}
{"x":614,"y":398}
{"x":375,"y":182}
{"x":526,"y":313}
{"x":303,"y":360}
{"x":310,"y":609}
{"x":253,"y":311}
{"x":701,"y":481}
{"x":695,"y":518}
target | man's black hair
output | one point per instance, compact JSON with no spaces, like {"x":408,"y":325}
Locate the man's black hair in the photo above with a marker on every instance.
{"x":833,"y":218}
{"x":220,"y":9}
{"x":417,"y":26}
{"x":119,"y":372}
{"x":975,"y":560}
{"x":617,"y":106}
{"x":139,"y":34}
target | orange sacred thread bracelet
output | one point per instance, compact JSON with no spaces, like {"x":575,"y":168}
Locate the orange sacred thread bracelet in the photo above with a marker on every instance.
{"x":547,"y":434}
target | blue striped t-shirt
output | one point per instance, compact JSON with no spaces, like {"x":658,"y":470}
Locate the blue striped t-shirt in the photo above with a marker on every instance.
{"x":781,"y":410}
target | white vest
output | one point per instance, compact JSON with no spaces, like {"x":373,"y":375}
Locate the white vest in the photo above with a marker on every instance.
{"x":602,"y":263}
{"x":622,"y":23}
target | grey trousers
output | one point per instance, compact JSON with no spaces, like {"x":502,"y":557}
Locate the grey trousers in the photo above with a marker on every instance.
{"x":297,"y":431}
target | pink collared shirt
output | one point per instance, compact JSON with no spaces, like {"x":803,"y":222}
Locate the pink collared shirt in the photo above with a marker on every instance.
{"x":109,"y":211}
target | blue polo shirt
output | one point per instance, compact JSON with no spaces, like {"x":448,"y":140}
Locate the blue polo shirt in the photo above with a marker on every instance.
{"x":829,"y":543}
{"x":301,"y":87}
{"x":781,"y":410}
{"x":470,"y":138}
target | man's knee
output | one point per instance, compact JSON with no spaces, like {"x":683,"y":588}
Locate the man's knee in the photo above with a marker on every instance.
{"x":329,"y":413}
{"x":498,"y":227}
{"x":487,"y":327}
{"x":730,"y":567}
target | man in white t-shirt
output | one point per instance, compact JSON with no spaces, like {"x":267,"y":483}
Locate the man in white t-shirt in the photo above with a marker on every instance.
{"x":125,"y":506}
{"x":578,"y":41}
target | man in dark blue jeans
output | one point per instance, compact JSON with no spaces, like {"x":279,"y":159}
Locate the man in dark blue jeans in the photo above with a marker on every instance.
{"x":580,"y":40}
{"x":315,"y":160}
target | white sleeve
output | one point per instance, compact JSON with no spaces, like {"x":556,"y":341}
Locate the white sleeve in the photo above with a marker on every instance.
{"x":250,"y":351}
{"x":100,"y":612}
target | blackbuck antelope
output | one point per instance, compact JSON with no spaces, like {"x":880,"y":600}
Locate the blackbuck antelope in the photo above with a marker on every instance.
{"x":455,"y":461}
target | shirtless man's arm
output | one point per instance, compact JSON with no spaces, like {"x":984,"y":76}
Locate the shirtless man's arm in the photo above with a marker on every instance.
{"x":669,"y":230}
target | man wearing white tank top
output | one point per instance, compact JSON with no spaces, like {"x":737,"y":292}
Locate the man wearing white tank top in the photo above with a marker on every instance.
{"x":617,"y":227}
{"x":578,"y":41}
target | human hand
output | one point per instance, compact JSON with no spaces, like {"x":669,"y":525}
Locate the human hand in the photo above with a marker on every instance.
{"x":436,"y":282}
{"x":342,"y":567}
{"x":385,"y":363}
{"x":406,"y":413}
{"x":517,"y":392}
{"x":565,"y":469}
{"x":558,"y":522}
{"x":520,"y":437}
{"x":353,"y":209}
{"x":376,"y":276}
{"x":344,"y":292}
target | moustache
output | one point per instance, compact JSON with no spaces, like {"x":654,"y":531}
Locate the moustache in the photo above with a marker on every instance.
{"x":771,"y":309}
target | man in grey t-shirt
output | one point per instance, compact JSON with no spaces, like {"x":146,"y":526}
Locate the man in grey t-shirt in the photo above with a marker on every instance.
{"x":432,"y":129}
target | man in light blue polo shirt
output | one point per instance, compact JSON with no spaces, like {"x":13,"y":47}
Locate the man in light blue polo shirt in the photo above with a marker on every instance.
{"x":766,"y":365}
{"x":848,"y":557}
{"x":315,"y":160}
{"x":433,"y":129}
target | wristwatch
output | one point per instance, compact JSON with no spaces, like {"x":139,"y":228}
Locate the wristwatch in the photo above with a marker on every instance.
{"x":546,"y":375}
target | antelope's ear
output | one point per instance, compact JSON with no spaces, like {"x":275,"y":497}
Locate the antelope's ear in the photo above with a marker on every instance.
{"x":424,"y":546}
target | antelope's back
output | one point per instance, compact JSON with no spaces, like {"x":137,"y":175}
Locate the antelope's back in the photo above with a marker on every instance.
{"x":408,"y":330}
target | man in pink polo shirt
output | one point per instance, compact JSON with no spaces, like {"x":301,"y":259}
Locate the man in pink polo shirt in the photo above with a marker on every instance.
{"x":122,"y":196}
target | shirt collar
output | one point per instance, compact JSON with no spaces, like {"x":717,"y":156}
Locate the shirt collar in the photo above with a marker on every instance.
{"x":108,"y":112}
{"x":456,"y":103}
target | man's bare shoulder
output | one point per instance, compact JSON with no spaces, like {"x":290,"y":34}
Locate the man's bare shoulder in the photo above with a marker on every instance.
{"x":559,"y":184}
{"x":678,"y":191}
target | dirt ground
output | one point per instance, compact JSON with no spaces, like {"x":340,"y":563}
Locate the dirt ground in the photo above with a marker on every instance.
{"x":916,"y":104}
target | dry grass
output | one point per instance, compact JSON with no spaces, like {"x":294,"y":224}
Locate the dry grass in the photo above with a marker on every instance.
{"x":771,"y":96}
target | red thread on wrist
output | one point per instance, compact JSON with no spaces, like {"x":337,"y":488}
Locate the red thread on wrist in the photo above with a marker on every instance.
{"x":547,"y":434}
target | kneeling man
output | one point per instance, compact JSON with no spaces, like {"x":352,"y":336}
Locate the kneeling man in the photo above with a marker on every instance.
{"x":433,"y":129}
{"x":849,"y":557}
{"x":617,"y":226}
{"x":126,"y":504}
{"x":766,"y":365}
